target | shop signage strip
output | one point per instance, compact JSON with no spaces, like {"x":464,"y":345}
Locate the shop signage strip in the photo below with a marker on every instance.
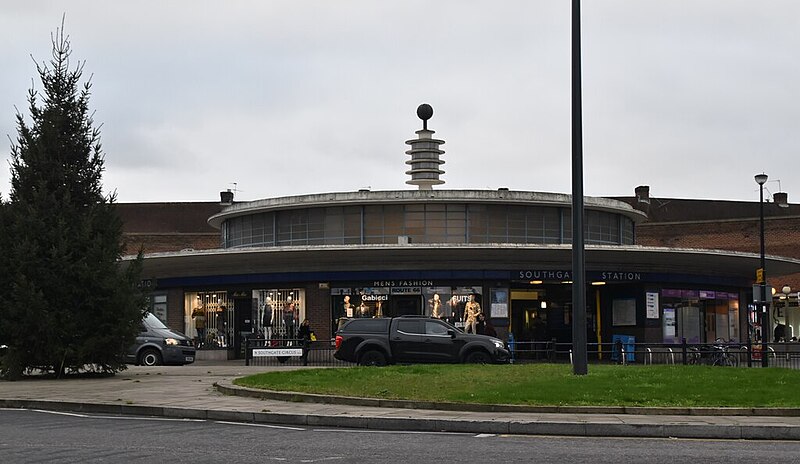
{"x":273,"y":352}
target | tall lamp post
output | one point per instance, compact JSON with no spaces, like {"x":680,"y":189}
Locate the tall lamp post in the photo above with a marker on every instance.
{"x":761,"y":179}
{"x":580,"y":356}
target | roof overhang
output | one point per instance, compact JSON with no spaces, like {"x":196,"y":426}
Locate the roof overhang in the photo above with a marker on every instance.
{"x":221,"y":262}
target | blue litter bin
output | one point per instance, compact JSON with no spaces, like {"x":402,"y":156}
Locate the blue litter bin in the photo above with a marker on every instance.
{"x":625,"y":343}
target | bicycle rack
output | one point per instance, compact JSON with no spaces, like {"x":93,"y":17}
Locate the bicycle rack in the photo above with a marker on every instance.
{"x":670,"y":358}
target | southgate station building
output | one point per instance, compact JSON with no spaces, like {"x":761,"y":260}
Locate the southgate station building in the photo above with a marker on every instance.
{"x":424,"y":251}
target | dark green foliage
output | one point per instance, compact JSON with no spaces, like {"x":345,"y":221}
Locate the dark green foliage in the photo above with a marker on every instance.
{"x":69,"y":302}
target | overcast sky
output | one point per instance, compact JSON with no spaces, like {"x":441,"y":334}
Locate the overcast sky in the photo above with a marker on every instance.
{"x":691,"y":97}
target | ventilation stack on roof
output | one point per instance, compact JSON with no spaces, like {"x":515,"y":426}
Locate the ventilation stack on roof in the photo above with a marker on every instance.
{"x":425,"y":153}
{"x":226,"y":198}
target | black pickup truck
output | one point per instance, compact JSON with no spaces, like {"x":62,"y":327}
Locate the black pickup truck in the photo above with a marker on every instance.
{"x":414,"y":339}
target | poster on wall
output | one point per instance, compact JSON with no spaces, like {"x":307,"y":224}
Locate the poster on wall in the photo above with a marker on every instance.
{"x":499,"y":303}
{"x":669,"y":324}
{"x":624,"y":312}
{"x":652,"y":305}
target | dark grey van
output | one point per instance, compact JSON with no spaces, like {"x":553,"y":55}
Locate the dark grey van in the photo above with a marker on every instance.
{"x":157,"y":344}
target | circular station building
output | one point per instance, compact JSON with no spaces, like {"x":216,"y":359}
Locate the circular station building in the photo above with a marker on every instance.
{"x":329,"y":256}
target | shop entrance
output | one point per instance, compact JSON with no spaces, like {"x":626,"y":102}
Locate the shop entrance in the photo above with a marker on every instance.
{"x":404,"y":305}
{"x":242,"y":324}
{"x":528,"y":316}
{"x":543,"y":313}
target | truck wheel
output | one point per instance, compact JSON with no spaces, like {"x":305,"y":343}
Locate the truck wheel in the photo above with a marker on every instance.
{"x":478,"y":357}
{"x":372,"y":358}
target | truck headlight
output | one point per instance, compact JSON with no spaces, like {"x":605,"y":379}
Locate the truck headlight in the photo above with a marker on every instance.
{"x":171,"y":341}
{"x":498,"y":344}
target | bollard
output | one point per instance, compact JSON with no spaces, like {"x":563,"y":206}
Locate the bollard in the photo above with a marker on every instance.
{"x":511,"y":345}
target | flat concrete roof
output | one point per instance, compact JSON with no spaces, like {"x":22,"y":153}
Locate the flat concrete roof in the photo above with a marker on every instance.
{"x":477,"y":257}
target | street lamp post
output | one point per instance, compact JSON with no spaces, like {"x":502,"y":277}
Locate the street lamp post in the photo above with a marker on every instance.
{"x":761,"y":179}
{"x":580,"y":355}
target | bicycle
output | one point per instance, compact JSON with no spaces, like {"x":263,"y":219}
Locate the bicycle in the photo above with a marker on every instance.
{"x":721,"y":356}
{"x":717,"y":355}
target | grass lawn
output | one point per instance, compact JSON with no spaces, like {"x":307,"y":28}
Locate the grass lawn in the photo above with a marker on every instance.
{"x":549,"y":384}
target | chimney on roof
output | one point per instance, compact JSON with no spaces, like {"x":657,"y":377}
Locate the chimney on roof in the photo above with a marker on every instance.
{"x":642,"y":193}
{"x":781,"y":199}
{"x":226,"y":198}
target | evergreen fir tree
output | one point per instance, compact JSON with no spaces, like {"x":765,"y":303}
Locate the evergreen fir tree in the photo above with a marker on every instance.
{"x":70,"y":303}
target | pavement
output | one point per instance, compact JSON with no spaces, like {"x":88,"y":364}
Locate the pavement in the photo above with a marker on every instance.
{"x":204,"y":390}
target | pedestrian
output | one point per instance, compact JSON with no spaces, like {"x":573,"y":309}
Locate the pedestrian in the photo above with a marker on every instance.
{"x":780,"y":333}
{"x":488,"y":328}
{"x":306,"y":337}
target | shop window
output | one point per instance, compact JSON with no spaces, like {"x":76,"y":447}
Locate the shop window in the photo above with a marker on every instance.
{"x":208,"y":319}
{"x":279,"y":312}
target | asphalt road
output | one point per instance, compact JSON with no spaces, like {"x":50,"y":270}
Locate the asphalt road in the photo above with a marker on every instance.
{"x":28,"y":436}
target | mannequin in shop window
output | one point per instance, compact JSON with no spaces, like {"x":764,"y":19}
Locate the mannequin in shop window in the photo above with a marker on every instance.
{"x":363,"y":310}
{"x":289,"y":317}
{"x":199,"y":316}
{"x":222,"y":325}
{"x":347,"y":307}
{"x":266,"y":318}
{"x":471,"y":311}
{"x":436,"y":306}
{"x":456,"y":311}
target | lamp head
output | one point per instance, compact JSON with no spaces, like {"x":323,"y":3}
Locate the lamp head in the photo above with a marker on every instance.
{"x":761,"y":179}
{"x":786,"y":289}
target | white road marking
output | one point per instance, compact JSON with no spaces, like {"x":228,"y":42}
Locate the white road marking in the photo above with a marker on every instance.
{"x":88,"y":416}
{"x":404,"y":432}
{"x":162,"y":419}
{"x":57,"y":413}
{"x":261,"y":425}
{"x":485,"y":435}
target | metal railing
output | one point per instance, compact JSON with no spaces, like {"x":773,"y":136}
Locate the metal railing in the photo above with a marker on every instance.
{"x":290,"y":352}
{"x":726,"y":354}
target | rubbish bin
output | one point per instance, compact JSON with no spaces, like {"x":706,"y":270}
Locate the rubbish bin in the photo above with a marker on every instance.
{"x":626,"y":344}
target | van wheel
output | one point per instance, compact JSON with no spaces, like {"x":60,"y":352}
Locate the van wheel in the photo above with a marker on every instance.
{"x":478,"y":357}
{"x":150,"y":357}
{"x":372,"y":358}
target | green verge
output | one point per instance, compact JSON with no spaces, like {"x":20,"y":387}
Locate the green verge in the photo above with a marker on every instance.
{"x":548,"y":384}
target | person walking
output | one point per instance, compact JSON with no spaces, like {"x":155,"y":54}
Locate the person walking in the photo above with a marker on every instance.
{"x":306,"y":336}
